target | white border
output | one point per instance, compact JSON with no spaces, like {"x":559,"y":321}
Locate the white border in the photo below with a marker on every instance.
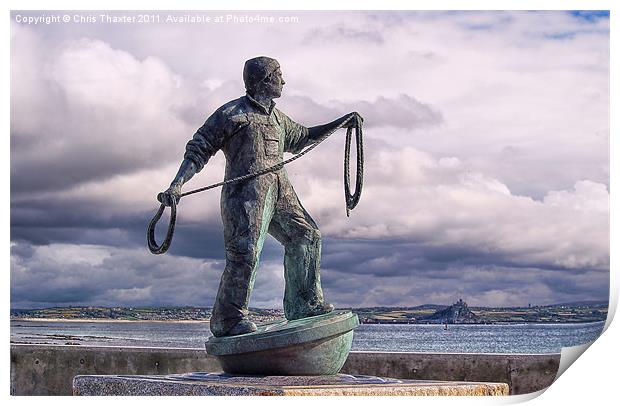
{"x":591,"y":381}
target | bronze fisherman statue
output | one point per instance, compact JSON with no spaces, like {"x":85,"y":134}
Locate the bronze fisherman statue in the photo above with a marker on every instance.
{"x":253,"y":134}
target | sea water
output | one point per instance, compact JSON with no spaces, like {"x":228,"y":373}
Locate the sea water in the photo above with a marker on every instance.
{"x":491,"y":338}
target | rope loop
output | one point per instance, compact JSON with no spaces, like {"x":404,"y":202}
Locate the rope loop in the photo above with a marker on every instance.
{"x":153,"y":246}
{"x":351,"y":199}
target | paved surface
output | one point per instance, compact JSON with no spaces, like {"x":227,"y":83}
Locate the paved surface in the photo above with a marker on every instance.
{"x":218,"y":384}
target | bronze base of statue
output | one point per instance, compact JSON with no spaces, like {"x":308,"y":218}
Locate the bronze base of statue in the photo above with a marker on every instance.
{"x":317,"y":345}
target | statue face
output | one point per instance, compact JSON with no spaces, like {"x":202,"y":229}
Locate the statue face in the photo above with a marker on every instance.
{"x":272,"y":85}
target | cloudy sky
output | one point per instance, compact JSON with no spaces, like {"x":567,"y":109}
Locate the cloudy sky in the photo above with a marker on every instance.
{"x":486,"y":146}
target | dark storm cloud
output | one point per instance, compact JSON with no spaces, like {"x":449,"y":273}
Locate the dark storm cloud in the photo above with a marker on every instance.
{"x":402,"y":257}
{"x":101,"y":236}
{"x":393,"y":273}
{"x":479,"y":286}
{"x":88,"y":222}
{"x":100,"y":117}
{"x":198,"y":241}
{"x":89,"y":274}
{"x":414,"y":260}
{"x":104,"y":275}
{"x":61,"y":212}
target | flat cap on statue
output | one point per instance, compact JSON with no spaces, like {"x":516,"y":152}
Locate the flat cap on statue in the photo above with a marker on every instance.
{"x":257,"y":69}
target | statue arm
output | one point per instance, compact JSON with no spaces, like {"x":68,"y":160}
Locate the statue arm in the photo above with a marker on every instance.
{"x":302,"y":137}
{"x":315,"y":133}
{"x":203,"y":145}
{"x":186,"y":171}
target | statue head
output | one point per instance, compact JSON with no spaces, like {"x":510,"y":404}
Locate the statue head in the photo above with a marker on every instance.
{"x":262,"y":77}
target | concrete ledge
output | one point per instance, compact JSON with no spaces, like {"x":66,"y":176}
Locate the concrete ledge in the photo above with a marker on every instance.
{"x":50,"y":369}
{"x":211,"y":384}
{"x":523,"y":373}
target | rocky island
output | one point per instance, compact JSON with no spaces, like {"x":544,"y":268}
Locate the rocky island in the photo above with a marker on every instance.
{"x":458,"y":313}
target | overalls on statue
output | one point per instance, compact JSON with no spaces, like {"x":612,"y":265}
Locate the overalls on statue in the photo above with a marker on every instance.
{"x":250,"y":210}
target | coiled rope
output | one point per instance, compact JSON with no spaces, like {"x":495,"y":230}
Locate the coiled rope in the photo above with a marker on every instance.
{"x":351,"y":200}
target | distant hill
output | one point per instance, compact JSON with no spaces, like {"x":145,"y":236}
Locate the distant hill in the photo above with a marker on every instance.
{"x":587,"y":303}
{"x":458,"y":313}
{"x":389,"y":308}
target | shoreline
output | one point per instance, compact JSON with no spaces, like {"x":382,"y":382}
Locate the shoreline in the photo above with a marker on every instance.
{"x":106,"y":320}
{"x":502,"y":323}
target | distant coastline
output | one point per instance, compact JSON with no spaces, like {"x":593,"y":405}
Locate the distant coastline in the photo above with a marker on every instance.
{"x":497,"y":323}
{"x":102,"y":320}
{"x":567,"y":313}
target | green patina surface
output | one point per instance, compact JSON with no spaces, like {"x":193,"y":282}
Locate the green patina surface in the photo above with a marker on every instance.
{"x":316,"y":345}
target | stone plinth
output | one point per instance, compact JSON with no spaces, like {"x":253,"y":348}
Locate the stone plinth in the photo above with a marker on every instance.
{"x":220,"y":384}
{"x":316,"y":345}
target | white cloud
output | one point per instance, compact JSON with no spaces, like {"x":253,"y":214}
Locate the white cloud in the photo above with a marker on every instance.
{"x":97,"y":113}
{"x":411,"y":195}
{"x":588,"y":196}
{"x":518,"y":168}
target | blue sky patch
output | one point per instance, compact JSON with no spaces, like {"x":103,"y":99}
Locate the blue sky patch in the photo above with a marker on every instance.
{"x":590,"y":15}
